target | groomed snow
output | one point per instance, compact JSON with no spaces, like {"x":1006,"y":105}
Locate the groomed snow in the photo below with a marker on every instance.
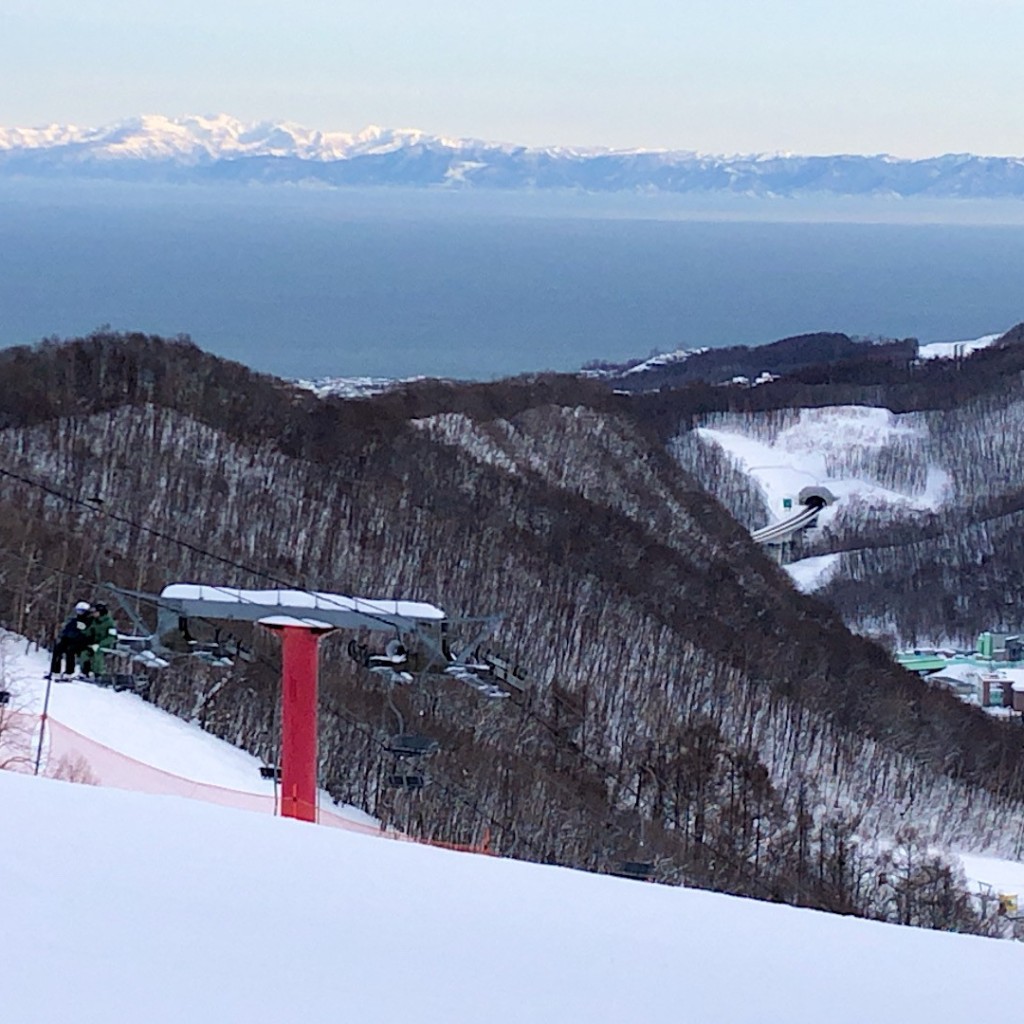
{"x":1002,"y":875}
{"x":132,"y":907}
{"x":128,"y":724}
{"x":122,"y":907}
{"x":131,"y":728}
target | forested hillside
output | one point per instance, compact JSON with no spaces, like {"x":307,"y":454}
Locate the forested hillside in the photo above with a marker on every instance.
{"x":687,"y":706}
{"x":720,"y":365}
{"x":911,"y":574}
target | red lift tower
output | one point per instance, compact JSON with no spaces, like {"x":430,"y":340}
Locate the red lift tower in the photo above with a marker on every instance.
{"x":300,"y":653}
{"x":301,"y":618}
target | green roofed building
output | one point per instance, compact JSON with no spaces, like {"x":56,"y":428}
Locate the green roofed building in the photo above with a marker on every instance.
{"x":922,"y":662}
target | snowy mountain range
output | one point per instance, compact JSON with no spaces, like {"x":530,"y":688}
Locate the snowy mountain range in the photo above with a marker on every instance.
{"x":221,"y":148}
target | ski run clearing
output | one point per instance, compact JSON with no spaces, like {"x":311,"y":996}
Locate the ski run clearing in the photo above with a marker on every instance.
{"x":128,"y":907}
{"x":805,"y":453}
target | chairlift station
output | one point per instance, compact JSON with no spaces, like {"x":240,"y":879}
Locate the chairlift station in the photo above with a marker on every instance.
{"x":421,"y":643}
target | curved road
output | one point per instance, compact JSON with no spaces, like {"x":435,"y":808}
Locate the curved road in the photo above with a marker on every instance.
{"x":781,"y":531}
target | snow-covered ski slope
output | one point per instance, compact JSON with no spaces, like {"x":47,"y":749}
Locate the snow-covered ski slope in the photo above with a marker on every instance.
{"x":124,"y":907}
{"x":130,"y":744}
{"x":125,"y":723}
{"x":808,"y":452}
{"x":816,"y":450}
{"x":954,"y":349}
{"x":129,"y":907}
{"x":804,"y":454}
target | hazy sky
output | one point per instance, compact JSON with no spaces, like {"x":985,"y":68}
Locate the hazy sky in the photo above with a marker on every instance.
{"x":908,"y":77}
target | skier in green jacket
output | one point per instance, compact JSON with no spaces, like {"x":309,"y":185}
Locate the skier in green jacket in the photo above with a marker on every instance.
{"x":100,"y":636}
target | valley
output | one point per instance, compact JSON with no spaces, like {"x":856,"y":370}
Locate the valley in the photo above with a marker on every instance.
{"x":687,"y":706}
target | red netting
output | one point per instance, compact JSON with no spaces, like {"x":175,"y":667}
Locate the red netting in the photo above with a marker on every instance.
{"x":70,"y":755}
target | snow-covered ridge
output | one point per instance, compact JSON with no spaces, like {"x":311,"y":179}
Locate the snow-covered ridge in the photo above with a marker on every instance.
{"x":956,"y":349}
{"x":216,"y":147}
{"x":351,"y":387}
{"x":153,"y":136}
{"x":666,"y":359}
{"x":654,"y":362}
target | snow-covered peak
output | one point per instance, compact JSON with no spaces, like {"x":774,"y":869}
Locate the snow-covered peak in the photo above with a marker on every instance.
{"x":197,"y":137}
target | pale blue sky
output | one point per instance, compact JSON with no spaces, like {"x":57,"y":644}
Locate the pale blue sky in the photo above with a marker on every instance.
{"x":909,"y":77}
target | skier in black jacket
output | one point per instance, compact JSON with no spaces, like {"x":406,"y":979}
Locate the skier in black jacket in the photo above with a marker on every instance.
{"x":72,"y":640}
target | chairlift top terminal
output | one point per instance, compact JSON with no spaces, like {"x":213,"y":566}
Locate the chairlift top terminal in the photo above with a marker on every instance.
{"x":301,"y":616}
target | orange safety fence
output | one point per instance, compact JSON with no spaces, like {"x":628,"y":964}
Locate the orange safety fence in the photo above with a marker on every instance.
{"x":69,"y":754}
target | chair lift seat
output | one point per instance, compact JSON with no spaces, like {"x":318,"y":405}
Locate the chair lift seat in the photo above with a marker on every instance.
{"x":641,"y":870}
{"x":411,"y":745}
{"x":406,"y":780}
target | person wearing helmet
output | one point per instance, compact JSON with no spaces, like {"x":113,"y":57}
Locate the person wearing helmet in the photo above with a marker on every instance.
{"x":100,"y":636}
{"x":71,"y":641}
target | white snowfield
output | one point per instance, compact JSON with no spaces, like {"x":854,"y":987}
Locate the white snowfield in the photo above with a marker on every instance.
{"x":805,"y":453}
{"x":811,"y":574}
{"x":800,"y":454}
{"x":125,"y":907}
{"x":1000,"y":875}
{"x":355,"y":387}
{"x":954,"y":349}
{"x":134,"y":908}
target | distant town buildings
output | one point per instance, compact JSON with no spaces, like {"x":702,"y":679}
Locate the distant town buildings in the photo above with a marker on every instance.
{"x":991,"y":676}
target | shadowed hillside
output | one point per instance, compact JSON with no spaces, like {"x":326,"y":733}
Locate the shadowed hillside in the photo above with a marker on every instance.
{"x":687,"y":706}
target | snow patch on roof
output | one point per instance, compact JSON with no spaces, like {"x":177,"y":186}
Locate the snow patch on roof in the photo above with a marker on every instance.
{"x":961,"y":672}
{"x":292,"y":599}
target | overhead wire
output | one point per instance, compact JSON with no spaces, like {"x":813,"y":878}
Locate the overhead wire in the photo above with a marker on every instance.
{"x":198,"y":549}
{"x":606,"y":773}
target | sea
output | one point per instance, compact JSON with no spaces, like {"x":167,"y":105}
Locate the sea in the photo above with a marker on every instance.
{"x":306,"y":282}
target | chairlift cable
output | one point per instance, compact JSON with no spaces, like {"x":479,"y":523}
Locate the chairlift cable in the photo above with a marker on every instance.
{"x":95,"y":508}
{"x":352,"y":719}
{"x":170,"y":538}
